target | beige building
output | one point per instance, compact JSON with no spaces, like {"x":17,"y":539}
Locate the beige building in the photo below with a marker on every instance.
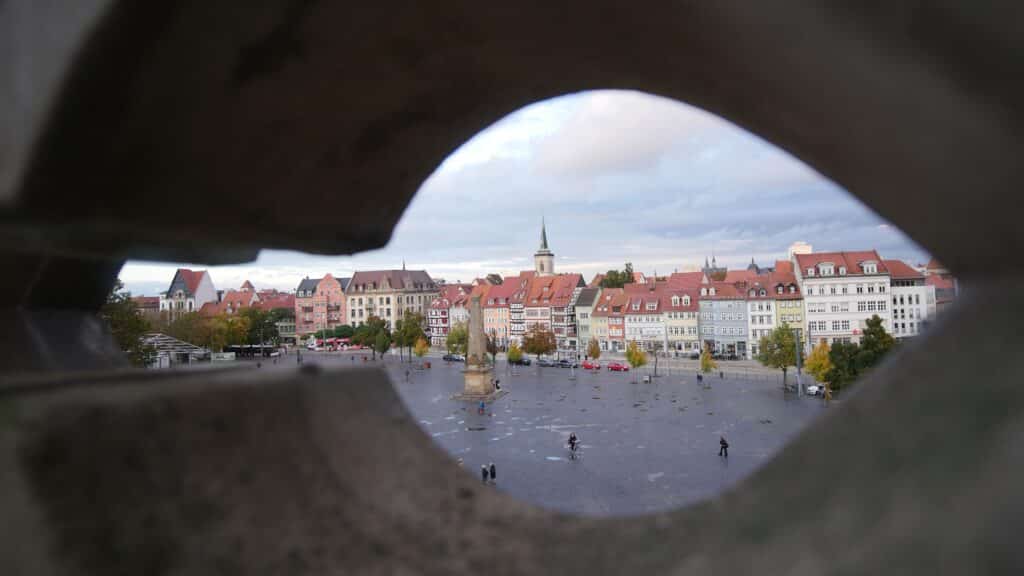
{"x":389,"y":294}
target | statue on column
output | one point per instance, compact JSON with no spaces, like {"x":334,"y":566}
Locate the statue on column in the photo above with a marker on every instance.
{"x":479,"y":374}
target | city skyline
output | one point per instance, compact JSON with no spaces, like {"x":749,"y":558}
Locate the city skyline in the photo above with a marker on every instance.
{"x":619,"y":176}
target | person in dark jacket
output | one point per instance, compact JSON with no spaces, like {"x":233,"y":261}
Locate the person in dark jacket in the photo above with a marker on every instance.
{"x":483,"y":474}
{"x":494,"y":472}
{"x":723,"y":449}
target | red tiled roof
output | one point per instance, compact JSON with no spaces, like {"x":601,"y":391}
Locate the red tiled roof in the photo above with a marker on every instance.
{"x":851,"y":260}
{"x":733,"y":276}
{"x":247,"y":286}
{"x":609,"y":298}
{"x":726,"y":291}
{"x":900,"y":270}
{"x":500,"y":296}
{"x":686,"y":279}
{"x":596,"y":281}
{"x":273,"y":301}
{"x":449,"y":295}
{"x":145,"y":302}
{"x":192,"y":278}
{"x":396,"y":279}
{"x":210,"y":309}
{"x":784,"y":266}
{"x":939,"y":282}
{"x":934,"y":264}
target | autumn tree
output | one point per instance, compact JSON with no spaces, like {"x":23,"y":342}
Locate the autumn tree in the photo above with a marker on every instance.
{"x":421,"y":348}
{"x":635,"y":356}
{"x":594,"y":349}
{"x":843,"y":358}
{"x":818,"y":364}
{"x":458,"y":339}
{"x":409,"y":330}
{"x":875,"y":343}
{"x":515,"y":353}
{"x":492,"y":347}
{"x":539,"y":341}
{"x":778,"y":350}
{"x":262,"y":326}
{"x":382,"y":343}
{"x":707,"y":363}
{"x":127,"y":325}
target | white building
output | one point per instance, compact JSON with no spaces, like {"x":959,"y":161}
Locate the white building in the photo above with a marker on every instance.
{"x":188,"y":291}
{"x":913,"y":301}
{"x":761,"y":313}
{"x":842,"y":290}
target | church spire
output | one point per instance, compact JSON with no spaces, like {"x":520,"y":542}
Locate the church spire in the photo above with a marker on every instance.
{"x":543,"y":235}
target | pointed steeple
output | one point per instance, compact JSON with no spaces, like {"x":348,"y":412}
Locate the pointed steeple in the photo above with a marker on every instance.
{"x":706,"y":263}
{"x":403,"y":264}
{"x":543,"y":235}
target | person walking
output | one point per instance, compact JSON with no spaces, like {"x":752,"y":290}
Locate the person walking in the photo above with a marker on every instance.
{"x":723,"y":447}
{"x":483,"y":473}
{"x":494,"y":473}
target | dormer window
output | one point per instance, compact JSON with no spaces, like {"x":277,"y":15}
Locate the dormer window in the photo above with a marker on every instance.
{"x":762,"y":293}
{"x":842,"y":270}
{"x":675,"y":300}
{"x":826,"y":269}
{"x":870,"y":267}
{"x":778,"y":289}
{"x":703,"y":291}
{"x":652,"y":306}
{"x":810,"y":271}
{"x":712,"y":291}
{"x":636,"y":306}
{"x":686,"y":300}
{"x":792,"y":289}
{"x":752,"y":293}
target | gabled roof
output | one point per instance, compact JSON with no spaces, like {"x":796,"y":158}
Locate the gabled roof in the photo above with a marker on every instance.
{"x":726,"y":291}
{"x":851,"y":260}
{"x":394,"y":279}
{"x":685,"y":279}
{"x":343,"y":281}
{"x":144,"y":302}
{"x":784,"y":266}
{"x":500,"y":295}
{"x":187,"y":279}
{"x":608,"y":299}
{"x":596,"y":281}
{"x":900,"y":270}
{"x":279,"y":300}
{"x":247,"y":287}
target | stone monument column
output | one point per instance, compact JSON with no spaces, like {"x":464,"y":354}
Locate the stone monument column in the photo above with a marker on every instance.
{"x":479,"y":376}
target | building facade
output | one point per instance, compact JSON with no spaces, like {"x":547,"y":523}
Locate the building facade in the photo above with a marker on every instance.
{"x":723,"y":318}
{"x":583,"y":308}
{"x":320,"y":304}
{"x":841,"y":291}
{"x":389,"y":295}
{"x":439,"y":313}
{"x":913,"y":300}
{"x":496,"y":309}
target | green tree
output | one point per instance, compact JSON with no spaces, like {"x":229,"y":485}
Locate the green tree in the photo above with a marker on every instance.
{"x":515,"y":353}
{"x":458,"y":339}
{"x":843,"y":358}
{"x":635,"y":356}
{"x":344,"y":331}
{"x":875,"y":343}
{"x":411,"y":329}
{"x":617,"y":279}
{"x":127,"y":325}
{"x":594,"y":349}
{"x":707,"y":363}
{"x":539,"y":341}
{"x":376,"y":326}
{"x":778,"y":350}
{"x":818,"y":363}
{"x":381,"y":343}
{"x":262,"y":326}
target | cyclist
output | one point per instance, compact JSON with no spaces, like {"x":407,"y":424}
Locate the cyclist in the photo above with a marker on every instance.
{"x":573,"y":442}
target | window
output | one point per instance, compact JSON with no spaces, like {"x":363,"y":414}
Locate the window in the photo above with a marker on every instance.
{"x":778,"y":289}
{"x":862,"y":306}
{"x":844,"y":325}
{"x":871,"y":288}
{"x":844,"y":289}
{"x":842,"y":271}
{"x":872,"y":306}
{"x":860,"y":289}
{"x":792,"y":289}
{"x":917,"y":299}
{"x":810,"y":271}
{"x":881,"y":305}
{"x":832,"y":290}
{"x":686,"y":300}
{"x":881,"y":288}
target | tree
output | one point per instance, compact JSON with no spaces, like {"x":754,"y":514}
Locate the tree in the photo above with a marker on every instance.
{"x":381,"y":343}
{"x":818,"y":363}
{"x":421,"y":348}
{"x":843,"y":358}
{"x":635,"y":356}
{"x":778,"y":350}
{"x":492,"y":348}
{"x":515,"y":353}
{"x":539,"y":341}
{"x":458,"y":339}
{"x":594,"y":349}
{"x":616,"y":279}
{"x":411,"y":329}
{"x":707,"y":363}
{"x":262,"y":326}
{"x":344,"y":331}
{"x":127,"y":325}
{"x":875,"y":343}
{"x":187,"y":328}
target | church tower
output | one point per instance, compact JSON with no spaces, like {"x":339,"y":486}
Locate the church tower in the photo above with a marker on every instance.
{"x":544,"y":259}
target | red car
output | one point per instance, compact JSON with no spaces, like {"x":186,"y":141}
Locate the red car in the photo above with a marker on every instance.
{"x":591,"y":365}
{"x":618,"y":367}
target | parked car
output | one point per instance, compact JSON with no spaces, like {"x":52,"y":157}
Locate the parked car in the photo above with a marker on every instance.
{"x":546,"y":362}
{"x":816,"y":390}
{"x":591,"y":365}
{"x":694,"y":356}
{"x":563,"y":363}
{"x":618,"y":367}
{"x":454,"y":358}
{"x":523,"y":361}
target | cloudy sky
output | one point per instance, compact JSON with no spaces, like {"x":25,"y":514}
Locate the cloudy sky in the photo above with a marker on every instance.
{"x":619,"y":177}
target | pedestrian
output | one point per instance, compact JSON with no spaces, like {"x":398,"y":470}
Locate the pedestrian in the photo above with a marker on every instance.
{"x":700,"y":378}
{"x":494,"y":473}
{"x":723,"y":447}
{"x":259,"y":364}
{"x":353,"y":357}
{"x":406,"y":374}
{"x":497,"y":384}
{"x":483,"y":473}
{"x":721,"y":375}
{"x":482,"y":408}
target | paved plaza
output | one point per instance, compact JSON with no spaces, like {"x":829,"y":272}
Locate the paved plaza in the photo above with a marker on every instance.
{"x":645,"y":446}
